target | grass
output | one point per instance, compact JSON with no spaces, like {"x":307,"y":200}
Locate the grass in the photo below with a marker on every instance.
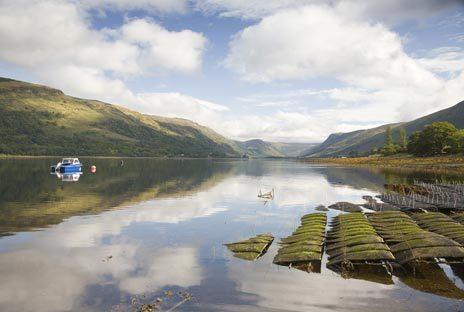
{"x":437,"y":163}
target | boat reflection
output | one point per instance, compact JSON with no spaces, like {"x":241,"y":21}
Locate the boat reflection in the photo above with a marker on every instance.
{"x":68,"y":177}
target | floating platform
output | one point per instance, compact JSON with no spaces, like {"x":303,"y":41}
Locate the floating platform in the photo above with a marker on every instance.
{"x":442,"y":224}
{"x":353,"y":241}
{"x":252,"y":248}
{"x":410,"y":243}
{"x":303,"y":249}
{"x":458,"y":217}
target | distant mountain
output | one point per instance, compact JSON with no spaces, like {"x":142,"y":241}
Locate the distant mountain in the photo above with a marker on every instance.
{"x":362,"y":141}
{"x":260,"y":148}
{"x":38,"y":120}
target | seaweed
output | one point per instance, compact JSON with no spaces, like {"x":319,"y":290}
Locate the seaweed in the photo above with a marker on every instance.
{"x":413,"y":242}
{"x":302,"y":256}
{"x":356,"y":248}
{"x":352,"y":240}
{"x":303,"y":249}
{"x":321,"y":208}
{"x":426,"y":253}
{"x":441,"y":224}
{"x":346,"y":206}
{"x":252,"y":248}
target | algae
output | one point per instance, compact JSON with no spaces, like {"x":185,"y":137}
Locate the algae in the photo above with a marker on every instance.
{"x":304,"y":246}
{"x":252,"y":248}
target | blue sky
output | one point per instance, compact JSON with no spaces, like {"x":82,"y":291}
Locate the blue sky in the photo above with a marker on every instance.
{"x":280,"y":70}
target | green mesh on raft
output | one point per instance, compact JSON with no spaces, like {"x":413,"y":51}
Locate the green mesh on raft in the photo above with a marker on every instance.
{"x":353,"y":239}
{"x":305,"y":244}
{"x":252,"y":248}
{"x":424,"y":237}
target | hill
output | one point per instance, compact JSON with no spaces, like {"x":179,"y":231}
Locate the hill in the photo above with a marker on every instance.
{"x":38,"y":120}
{"x":362,"y":141}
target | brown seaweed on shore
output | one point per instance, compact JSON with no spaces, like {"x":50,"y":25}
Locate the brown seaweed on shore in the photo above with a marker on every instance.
{"x":373,"y":204}
{"x":407,"y":189}
{"x":321,"y":208}
{"x":346,"y":206}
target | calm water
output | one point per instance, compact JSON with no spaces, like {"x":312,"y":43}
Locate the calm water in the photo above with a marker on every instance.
{"x":128,"y":235}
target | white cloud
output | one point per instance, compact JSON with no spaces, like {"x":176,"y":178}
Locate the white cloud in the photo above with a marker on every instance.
{"x":445,"y":60}
{"x":377,"y":81}
{"x":54,"y":40}
{"x":162,"y":6}
{"x":315,"y":41}
{"x":390,"y":11}
{"x":183,"y":106}
{"x":160,"y":48}
{"x":381,"y":83}
{"x":247,"y":9}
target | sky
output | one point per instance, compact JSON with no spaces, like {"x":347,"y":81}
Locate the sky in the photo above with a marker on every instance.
{"x":279,"y":70}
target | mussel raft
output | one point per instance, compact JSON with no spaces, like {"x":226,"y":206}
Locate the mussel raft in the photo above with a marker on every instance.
{"x":352,"y":240}
{"x":410,"y":243}
{"x":252,"y":248}
{"x":376,"y":238}
{"x":440,"y":223}
{"x":305,"y":244}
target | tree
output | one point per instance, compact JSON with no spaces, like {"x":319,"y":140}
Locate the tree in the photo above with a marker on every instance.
{"x":435,"y":139}
{"x":389,"y":148}
{"x":388,"y":136}
{"x":403,"y":139}
{"x":457,"y":142}
{"x":414,"y":145}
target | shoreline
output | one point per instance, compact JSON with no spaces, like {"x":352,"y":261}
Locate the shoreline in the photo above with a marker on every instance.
{"x":4,"y":156}
{"x":435,"y":163}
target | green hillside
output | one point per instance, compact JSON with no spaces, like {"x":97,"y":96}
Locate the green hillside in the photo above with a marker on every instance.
{"x":37,"y":120}
{"x":363,"y":141}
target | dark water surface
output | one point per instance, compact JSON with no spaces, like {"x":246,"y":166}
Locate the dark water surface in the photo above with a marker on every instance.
{"x":150,"y":229}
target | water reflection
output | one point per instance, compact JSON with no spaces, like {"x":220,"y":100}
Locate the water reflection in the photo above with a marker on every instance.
{"x":30,"y":198}
{"x":150,"y":226}
{"x":68,"y":177}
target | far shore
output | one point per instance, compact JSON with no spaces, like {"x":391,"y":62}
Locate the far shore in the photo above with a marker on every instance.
{"x":436,"y":163}
{"x":5,"y":156}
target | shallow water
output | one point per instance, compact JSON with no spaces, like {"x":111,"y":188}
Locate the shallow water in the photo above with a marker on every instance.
{"x":130,"y":234}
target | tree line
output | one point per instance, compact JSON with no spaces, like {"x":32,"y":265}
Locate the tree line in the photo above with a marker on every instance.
{"x":438,"y":138}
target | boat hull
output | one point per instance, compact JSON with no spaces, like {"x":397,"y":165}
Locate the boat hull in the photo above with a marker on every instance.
{"x":70,"y":168}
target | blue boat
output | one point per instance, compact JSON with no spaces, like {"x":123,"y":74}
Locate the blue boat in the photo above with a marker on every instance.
{"x":68,"y":165}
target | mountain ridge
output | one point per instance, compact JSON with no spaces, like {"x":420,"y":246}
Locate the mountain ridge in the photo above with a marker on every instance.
{"x":363,"y":141}
{"x":40,"y":120}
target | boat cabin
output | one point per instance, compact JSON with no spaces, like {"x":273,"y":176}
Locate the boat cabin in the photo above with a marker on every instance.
{"x":70,"y":161}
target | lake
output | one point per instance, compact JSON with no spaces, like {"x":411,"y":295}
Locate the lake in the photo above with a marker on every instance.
{"x":152,"y":231}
